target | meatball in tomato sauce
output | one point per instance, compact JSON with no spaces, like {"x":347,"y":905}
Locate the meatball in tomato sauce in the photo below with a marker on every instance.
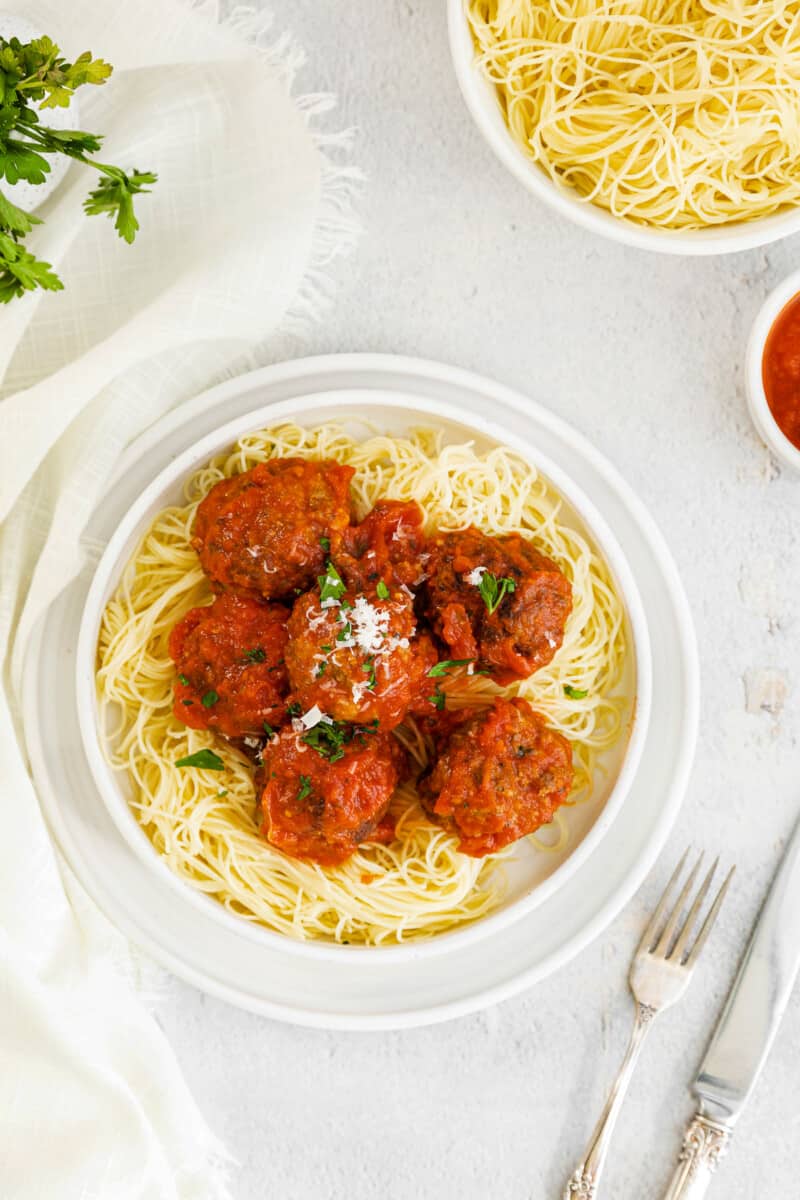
{"x":497,"y":600}
{"x":231,"y":668}
{"x":358,"y":657}
{"x":389,"y":544}
{"x":500,"y":775}
{"x":315,"y":808}
{"x":267,"y":532}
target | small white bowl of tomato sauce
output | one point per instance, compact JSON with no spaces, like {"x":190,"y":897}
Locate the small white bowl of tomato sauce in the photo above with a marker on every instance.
{"x":773,"y":371}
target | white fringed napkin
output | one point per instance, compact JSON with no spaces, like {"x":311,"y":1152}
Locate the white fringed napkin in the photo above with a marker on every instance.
{"x":234,"y":240}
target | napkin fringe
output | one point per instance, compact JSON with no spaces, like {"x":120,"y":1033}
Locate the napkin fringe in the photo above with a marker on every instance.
{"x":337,"y":228}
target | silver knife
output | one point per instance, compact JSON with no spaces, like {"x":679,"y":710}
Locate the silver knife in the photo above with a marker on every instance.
{"x":745,"y":1031}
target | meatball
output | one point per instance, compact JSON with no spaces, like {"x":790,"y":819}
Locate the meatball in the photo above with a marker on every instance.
{"x":230,"y":659}
{"x":513,"y":637}
{"x":501,"y":774}
{"x":321,"y":808}
{"x":389,"y":544}
{"x":358,"y":657}
{"x":267,"y":531}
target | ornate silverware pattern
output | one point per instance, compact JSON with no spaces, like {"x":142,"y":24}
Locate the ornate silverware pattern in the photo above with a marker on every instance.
{"x":660,"y":972}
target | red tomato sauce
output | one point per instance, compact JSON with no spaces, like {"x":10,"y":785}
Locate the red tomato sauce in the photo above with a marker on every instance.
{"x":780,"y":370}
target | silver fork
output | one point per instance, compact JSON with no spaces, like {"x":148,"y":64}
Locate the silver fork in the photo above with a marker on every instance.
{"x":659,"y":975}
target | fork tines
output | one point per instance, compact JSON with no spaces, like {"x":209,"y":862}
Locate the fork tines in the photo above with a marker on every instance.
{"x":662,"y":937}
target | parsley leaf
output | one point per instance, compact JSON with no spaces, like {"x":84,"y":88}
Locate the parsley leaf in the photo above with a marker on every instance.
{"x":268,"y":730}
{"x":207,"y":760}
{"x":382,"y":590}
{"x":437,"y":699}
{"x":114,"y":197}
{"x":305,"y":787}
{"x":575,"y":693}
{"x":210,"y":699}
{"x":21,"y":272}
{"x":325,"y":542}
{"x":257,"y":655}
{"x":493,"y":590}
{"x":330,"y":739}
{"x":182,"y":679}
{"x":294,"y":709}
{"x":34,"y":76}
{"x":441,"y":668}
{"x":331,"y":585}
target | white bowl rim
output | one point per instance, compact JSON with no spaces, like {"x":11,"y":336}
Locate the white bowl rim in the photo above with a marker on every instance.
{"x":200,"y":452}
{"x":477,"y":93}
{"x":760,"y":411}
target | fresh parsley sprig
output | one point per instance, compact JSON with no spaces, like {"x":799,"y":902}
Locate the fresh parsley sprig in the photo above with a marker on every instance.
{"x":35,"y":76}
{"x":493,"y":590}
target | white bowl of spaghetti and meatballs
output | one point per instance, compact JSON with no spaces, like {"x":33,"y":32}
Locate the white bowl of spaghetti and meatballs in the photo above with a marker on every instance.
{"x":363,"y":679}
{"x":671,"y":127}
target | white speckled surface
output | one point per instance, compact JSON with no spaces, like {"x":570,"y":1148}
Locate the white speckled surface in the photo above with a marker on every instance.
{"x":644,"y":355}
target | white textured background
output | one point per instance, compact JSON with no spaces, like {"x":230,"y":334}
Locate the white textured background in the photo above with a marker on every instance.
{"x":643,"y":353}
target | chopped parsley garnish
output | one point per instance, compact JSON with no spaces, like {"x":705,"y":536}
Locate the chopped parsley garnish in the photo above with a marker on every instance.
{"x":441,"y":668}
{"x":330,"y":739}
{"x":207,"y":760}
{"x":493,"y":590}
{"x":326,"y":649}
{"x":369,"y":669}
{"x":305,"y":787}
{"x":331,"y":585}
{"x":340,"y":637}
{"x":222,"y":792}
{"x":268,"y":730}
{"x":256,"y":655}
{"x":182,"y":679}
{"x":345,"y":603}
{"x":575,"y":693}
{"x":325,"y":542}
{"x":210,"y":699}
{"x":382,"y":590}
{"x":437,"y":699}
{"x":295,"y":709}
{"x":187,"y":703}
{"x":321,"y":669}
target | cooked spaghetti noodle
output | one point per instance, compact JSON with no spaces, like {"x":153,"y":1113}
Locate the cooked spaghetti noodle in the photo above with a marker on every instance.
{"x":206,"y":829}
{"x":673,"y":113}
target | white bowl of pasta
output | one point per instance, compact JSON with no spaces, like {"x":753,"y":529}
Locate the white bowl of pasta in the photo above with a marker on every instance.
{"x":700,"y":168}
{"x":412,"y":892}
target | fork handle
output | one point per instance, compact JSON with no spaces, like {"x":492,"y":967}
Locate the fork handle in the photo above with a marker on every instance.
{"x":704,"y":1144}
{"x":584,"y":1180}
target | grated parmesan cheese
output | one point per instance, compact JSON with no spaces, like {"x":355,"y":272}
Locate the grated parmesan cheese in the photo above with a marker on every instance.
{"x":313,"y":717}
{"x":371,"y":625}
{"x":475,"y":576}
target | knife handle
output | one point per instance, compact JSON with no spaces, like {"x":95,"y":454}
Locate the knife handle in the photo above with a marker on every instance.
{"x":704,"y":1144}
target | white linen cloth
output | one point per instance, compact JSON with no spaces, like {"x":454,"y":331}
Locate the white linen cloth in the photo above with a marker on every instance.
{"x":234,"y":238}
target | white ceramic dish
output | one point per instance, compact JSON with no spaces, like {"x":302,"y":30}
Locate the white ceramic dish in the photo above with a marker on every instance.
{"x":371,"y":990}
{"x":533,"y":875}
{"x":481,"y":100}
{"x":760,"y":411}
